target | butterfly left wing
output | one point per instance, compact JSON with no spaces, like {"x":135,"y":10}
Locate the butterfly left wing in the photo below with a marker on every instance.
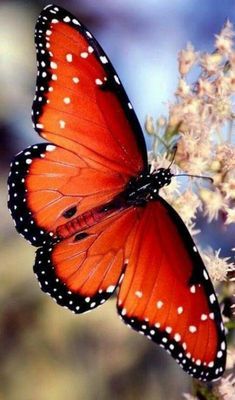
{"x":167,"y":295}
{"x":80,"y":103}
{"x":97,"y":144}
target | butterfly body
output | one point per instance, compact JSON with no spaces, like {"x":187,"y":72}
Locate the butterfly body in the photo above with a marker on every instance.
{"x":88,"y":201}
{"x":146,"y":186}
{"x":138,"y":192}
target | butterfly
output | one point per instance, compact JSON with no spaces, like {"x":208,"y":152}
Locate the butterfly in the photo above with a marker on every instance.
{"x":87,"y":199}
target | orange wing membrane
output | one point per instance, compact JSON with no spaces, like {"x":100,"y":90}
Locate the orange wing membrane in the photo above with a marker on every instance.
{"x":82,"y":271}
{"x":80,"y":103}
{"x":86,"y":198}
{"x":166,"y":294}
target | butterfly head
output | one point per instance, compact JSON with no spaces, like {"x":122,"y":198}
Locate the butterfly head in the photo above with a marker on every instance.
{"x":162,"y":177}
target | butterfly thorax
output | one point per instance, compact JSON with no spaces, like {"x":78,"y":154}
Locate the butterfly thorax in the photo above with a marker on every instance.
{"x":146,"y":186}
{"x":138,"y":192}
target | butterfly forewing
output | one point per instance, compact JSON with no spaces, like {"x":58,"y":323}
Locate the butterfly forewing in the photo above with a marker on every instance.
{"x":80,"y":103}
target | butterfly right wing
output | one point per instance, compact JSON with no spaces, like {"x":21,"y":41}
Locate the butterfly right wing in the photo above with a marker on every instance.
{"x":166,"y":293}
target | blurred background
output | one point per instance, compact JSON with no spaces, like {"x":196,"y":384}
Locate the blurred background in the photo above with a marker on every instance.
{"x":46,"y":352}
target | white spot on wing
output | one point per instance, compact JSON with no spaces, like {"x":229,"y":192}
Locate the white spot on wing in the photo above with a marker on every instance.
{"x":50,"y":147}
{"x":39,"y":126}
{"x":205,"y":274}
{"x":98,"y":82}
{"x":192,"y":329}
{"x":84,"y":54}
{"x":75,"y":21}
{"x":159,"y":304}
{"x":212,"y":298}
{"x":103,"y":59}
{"x":69,"y":57}
{"x":177,"y":337}
{"x":75,"y":79}
{"x":62,"y":124}
{"x":53,"y":65}
{"x":110,"y":289}
{"x":193,"y":289}
{"x":67,"y":100}
{"x":180,"y":310}
{"x":117,"y":79}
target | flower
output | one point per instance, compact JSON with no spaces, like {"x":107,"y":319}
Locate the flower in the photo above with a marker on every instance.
{"x":230,"y":216}
{"x":186,"y":59}
{"x":228,"y":187}
{"x":218,"y":267}
{"x":187,"y":205}
{"x":183,"y":88}
{"x":226,"y":388}
{"x":213,"y":202}
{"x":210,"y":63}
{"x":224,"y":41}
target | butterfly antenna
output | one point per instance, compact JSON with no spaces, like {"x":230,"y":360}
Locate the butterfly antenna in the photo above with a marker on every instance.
{"x":173,"y":157}
{"x":197,"y":176}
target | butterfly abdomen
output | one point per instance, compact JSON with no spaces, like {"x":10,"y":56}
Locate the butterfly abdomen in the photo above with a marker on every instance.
{"x":87,"y":219}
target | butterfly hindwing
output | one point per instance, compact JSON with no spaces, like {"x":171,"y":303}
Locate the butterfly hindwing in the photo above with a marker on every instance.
{"x":49,"y":186}
{"x":166,"y":294}
{"x":83,"y":271}
{"x":23,"y":215}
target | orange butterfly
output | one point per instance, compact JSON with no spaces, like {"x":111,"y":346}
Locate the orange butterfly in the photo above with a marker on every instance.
{"x":89,"y":202}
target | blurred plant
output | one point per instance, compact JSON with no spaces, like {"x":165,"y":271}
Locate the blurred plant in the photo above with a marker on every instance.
{"x":201,"y":122}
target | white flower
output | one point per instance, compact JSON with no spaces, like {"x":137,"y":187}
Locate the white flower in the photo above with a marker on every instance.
{"x":213,"y":202}
{"x":187,"y":204}
{"x":186,"y":59}
{"x":230,"y":217}
{"x":228,"y":187}
{"x":226,"y":388}
{"x":218,"y":267}
{"x":183,"y":88}
{"x":211,"y":63}
{"x":224,"y":41}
